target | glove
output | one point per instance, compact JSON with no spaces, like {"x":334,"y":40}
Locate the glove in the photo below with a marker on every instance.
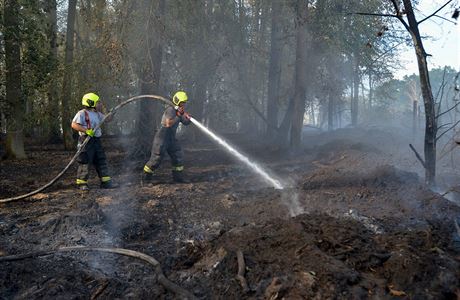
{"x":90,"y":132}
{"x":187,"y":116}
{"x":180,"y":111}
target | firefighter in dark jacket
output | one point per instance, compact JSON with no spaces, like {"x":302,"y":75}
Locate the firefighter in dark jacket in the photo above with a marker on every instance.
{"x":165,"y":140}
{"x":84,"y":122}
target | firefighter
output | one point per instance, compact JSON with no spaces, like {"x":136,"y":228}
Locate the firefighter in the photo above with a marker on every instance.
{"x":84,"y":122}
{"x":165,"y":139}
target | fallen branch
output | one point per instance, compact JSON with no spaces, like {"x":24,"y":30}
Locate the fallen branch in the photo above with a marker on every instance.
{"x":299,"y":251}
{"x":396,"y":293}
{"x":347,"y":250}
{"x":99,"y":290}
{"x":453,"y":189}
{"x":241,"y":270}
{"x":165,"y":282}
{"x":418,"y":156}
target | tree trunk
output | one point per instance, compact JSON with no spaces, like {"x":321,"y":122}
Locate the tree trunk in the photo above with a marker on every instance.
{"x":14,"y":97}
{"x":103,"y":85}
{"x":274,"y":72}
{"x":53,"y":113}
{"x":249,"y":121}
{"x":354,"y":100}
{"x":208,"y":64}
{"x":67,"y":84}
{"x":283,"y":130}
{"x":428,"y":100}
{"x":371,"y":88}
{"x":330,"y":112}
{"x":197,"y":107}
{"x":414,"y":117}
{"x":312,"y":113}
{"x":300,"y":75}
{"x":150,"y":111}
{"x":331,"y":92}
{"x":199,"y":97}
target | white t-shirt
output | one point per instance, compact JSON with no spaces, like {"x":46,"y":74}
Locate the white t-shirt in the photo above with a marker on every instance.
{"x":94,"y":119}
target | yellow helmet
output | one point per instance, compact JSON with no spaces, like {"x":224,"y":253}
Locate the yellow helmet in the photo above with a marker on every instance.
{"x":180,"y":97}
{"x":90,"y":100}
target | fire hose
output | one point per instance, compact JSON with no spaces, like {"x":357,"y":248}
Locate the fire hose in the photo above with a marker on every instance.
{"x":108,"y":115}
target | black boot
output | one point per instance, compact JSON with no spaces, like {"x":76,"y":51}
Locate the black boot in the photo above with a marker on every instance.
{"x":108,"y":185}
{"x":146,"y":178}
{"x":178,"y":176}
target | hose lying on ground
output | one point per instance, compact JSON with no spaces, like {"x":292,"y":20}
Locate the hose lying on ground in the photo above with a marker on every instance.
{"x":111,"y":112}
{"x":165,"y":282}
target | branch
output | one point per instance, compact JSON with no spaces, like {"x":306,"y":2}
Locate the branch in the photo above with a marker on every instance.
{"x":445,"y":19}
{"x":396,"y":7}
{"x":372,"y":14}
{"x":398,"y":15}
{"x":449,"y":191}
{"x":419,"y":22}
{"x":418,"y":156}
{"x":447,"y":130}
{"x":387,"y":51}
{"x":245,"y":89}
{"x":443,"y":84}
{"x":445,"y":112}
{"x":253,"y":106}
{"x":257,"y":111}
{"x":241,"y":270}
{"x":443,"y":125}
{"x":444,"y":153}
{"x":441,"y":90}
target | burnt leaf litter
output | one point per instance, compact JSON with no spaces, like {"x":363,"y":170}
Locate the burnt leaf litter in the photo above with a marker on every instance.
{"x":354,"y":222}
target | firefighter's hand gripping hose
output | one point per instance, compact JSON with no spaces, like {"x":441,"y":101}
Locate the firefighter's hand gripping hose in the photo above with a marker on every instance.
{"x":111,"y":112}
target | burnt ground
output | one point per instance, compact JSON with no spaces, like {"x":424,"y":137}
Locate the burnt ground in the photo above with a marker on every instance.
{"x":354,"y":222}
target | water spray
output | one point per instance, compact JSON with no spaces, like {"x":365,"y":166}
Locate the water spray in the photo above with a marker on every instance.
{"x":254,"y":167}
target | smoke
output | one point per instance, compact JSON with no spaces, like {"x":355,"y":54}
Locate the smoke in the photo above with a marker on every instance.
{"x":100,"y":262}
{"x":368,"y":222}
{"x":291,"y":200}
{"x":450,"y":193}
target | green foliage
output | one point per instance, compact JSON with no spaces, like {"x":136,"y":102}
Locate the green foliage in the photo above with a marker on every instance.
{"x":396,"y":96}
{"x":216,"y":50}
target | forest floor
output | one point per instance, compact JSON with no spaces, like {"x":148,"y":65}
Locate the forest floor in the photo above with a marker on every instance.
{"x":354,"y":222}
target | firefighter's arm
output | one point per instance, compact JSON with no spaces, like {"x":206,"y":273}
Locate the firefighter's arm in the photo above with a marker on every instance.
{"x":184,"y":117}
{"x":169,"y":122}
{"x":78,"y":127}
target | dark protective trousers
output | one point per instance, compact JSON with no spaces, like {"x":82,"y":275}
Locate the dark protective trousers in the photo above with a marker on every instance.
{"x":92,"y":154}
{"x":165,"y":142}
